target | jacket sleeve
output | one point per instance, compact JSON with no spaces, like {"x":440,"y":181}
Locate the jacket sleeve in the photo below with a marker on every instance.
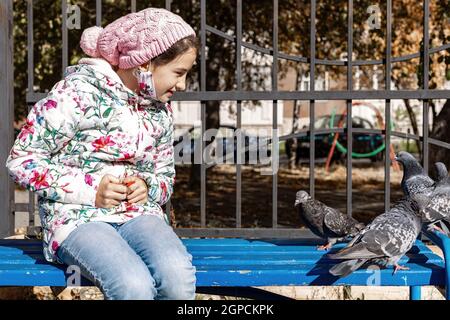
{"x":160,"y":181}
{"x":50,"y":125}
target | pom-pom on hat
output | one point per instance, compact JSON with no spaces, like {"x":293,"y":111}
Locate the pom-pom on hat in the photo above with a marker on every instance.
{"x":136,"y":38}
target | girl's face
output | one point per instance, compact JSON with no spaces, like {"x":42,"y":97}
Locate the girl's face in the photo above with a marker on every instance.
{"x":171,"y":77}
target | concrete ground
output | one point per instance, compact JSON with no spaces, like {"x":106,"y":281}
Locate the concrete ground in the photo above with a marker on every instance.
{"x":299,"y":293}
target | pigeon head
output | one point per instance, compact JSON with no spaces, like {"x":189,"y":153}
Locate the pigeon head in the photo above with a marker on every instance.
{"x":441,"y":170}
{"x":410,"y":165}
{"x":356,"y":228}
{"x":405,"y":157}
{"x":360,"y":226}
{"x":301,"y":197}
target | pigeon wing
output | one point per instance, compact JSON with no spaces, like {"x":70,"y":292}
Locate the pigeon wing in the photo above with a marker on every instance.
{"x":357,"y":251}
{"x":336,"y":222}
{"x":394,"y":236}
{"x":437,"y":209}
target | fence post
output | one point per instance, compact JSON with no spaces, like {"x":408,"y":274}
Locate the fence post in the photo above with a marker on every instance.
{"x":7,"y":116}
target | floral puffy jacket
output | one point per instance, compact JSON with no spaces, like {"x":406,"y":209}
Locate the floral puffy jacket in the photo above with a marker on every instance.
{"x":89,"y":125}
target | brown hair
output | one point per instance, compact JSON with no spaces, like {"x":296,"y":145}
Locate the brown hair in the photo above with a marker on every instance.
{"x":178,"y":48}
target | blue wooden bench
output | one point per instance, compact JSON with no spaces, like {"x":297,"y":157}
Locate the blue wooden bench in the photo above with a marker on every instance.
{"x":235,"y":263}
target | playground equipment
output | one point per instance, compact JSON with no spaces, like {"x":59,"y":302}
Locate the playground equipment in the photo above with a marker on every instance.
{"x":344,"y":150}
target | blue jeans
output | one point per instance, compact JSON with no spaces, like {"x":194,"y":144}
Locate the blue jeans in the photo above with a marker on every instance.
{"x":142,"y":259}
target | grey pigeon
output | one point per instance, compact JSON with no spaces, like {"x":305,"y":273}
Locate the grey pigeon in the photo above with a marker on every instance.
{"x":383,"y":242}
{"x":415,"y":180}
{"x":325,"y":222}
{"x":435,"y":207}
{"x":442,"y":172}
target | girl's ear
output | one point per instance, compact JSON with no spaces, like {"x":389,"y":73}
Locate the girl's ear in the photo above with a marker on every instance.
{"x":151,"y":66}
{"x":147,"y":66}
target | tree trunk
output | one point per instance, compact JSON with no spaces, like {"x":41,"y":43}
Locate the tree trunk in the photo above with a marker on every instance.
{"x":291,"y":144}
{"x":441,"y":131}
{"x":412,"y":118}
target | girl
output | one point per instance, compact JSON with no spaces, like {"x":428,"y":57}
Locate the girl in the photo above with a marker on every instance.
{"x":98,"y":152}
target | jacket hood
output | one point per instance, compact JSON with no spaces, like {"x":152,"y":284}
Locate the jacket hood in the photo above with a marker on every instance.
{"x":100,"y":74}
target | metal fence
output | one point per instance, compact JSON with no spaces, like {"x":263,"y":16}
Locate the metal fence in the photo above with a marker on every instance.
{"x":8,"y":207}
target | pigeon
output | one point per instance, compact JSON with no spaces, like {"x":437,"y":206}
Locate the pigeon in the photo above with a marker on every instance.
{"x":441,"y":170}
{"x":415,"y":180}
{"x":382,"y":242}
{"x":324,"y":221}
{"x":435,"y":207}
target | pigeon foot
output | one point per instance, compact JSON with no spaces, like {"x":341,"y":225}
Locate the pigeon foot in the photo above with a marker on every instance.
{"x":439,"y":229}
{"x":399,"y":267}
{"x":324,"y":247}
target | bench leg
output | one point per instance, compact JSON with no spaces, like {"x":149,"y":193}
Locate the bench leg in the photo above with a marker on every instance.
{"x":414,"y":293}
{"x":447,"y":274}
{"x":447,"y":288}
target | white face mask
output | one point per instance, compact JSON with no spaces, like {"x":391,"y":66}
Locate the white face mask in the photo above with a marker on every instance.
{"x":147,"y":88}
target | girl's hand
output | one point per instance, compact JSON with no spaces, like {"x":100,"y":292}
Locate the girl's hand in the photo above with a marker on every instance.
{"x":110,"y":192}
{"x":137,"y":190}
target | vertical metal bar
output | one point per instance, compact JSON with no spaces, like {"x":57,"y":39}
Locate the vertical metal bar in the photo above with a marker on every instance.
{"x":387,"y":110}
{"x":275,"y":115}
{"x":31,"y":211}
{"x":426,"y":69}
{"x":349,"y":105}
{"x":312,"y":76}
{"x":168,"y":209}
{"x":446,"y":250}
{"x":133,"y":5}
{"x":30,"y":46}
{"x":169,"y":203}
{"x":239,"y":114}
{"x":203,"y":112}
{"x":98,"y":12}
{"x":30,"y":89}
{"x":64,"y":36}
{"x":7,"y":119}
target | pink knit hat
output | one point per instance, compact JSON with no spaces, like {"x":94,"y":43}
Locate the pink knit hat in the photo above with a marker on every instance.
{"x":136,"y":38}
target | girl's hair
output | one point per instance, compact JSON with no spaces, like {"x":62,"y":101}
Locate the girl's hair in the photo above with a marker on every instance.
{"x":178,"y":48}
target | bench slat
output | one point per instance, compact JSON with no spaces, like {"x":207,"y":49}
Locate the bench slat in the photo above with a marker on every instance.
{"x":270,"y":254}
{"x":207,"y":244}
{"x":229,"y":275}
{"x":299,"y":277}
{"x":215,"y":259}
{"x":419,"y":246}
